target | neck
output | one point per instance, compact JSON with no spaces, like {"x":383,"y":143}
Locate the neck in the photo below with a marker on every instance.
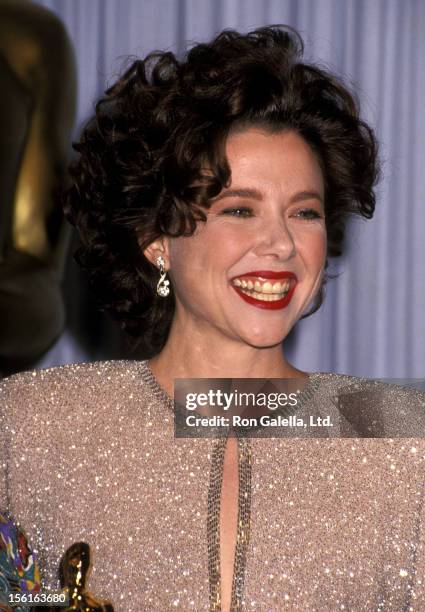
{"x":191,"y":356}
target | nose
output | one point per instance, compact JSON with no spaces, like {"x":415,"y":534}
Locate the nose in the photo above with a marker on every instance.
{"x":275,"y":239}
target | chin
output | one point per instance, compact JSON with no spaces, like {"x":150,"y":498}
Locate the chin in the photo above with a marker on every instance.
{"x":264,"y":340}
{"x":266,"y":334}
{"x":265,"y":345}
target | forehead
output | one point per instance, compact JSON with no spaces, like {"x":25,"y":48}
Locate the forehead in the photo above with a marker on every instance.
{"x":283,"y":158}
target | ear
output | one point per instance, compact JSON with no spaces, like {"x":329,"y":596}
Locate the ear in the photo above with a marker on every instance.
{"x":158,"y":248}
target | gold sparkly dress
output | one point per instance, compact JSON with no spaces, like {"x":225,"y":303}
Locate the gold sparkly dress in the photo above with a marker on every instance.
{"x":88,"y":454}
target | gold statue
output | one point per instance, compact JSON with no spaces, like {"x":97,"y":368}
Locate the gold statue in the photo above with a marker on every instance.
{"x":37,"y":106}
{"x":74,"y":571}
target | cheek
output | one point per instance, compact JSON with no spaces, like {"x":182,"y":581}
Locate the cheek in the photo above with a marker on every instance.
{"x":185,"y":251}
{"x":322,"y":246}
{"x":191,"y":261}
{"x":312,"y":245}
{"x":185,"y":264}
{"x":211,"y":249}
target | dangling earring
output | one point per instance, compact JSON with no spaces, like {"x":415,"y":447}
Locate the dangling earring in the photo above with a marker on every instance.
{"x":162,"y":287}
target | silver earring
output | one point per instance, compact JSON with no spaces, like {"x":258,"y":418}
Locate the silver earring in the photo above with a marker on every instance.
{"x":162,"y":287}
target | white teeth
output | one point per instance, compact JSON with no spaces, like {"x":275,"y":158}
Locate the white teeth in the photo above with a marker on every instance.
{"x":265,"y":297}
{"x":267,"y":288}
{"x":271,"y":297}
{"x":278,"y":287}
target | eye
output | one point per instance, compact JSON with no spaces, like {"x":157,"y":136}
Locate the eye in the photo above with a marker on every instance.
{"x":310,"y":214}
{"x":240,"y":211}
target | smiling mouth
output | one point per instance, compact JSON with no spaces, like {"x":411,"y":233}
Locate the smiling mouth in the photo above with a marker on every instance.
{"x":263,"y":290}
{"x":266,"y":289}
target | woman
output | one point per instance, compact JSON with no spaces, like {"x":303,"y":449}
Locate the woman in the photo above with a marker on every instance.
{"x":208,"y":194}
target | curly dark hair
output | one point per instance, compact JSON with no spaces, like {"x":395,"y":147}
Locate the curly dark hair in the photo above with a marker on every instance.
{"x":141,"y":174}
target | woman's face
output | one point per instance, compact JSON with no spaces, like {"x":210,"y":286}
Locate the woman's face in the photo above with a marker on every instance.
{"x":253,"y":268}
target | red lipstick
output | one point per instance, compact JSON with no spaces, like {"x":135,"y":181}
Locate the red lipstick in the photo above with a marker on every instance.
{"x":264,"y":275}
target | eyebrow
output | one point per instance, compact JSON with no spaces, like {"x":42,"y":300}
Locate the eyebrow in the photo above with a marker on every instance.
{"x":254,"y":194}
{"x":306,"y":195}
